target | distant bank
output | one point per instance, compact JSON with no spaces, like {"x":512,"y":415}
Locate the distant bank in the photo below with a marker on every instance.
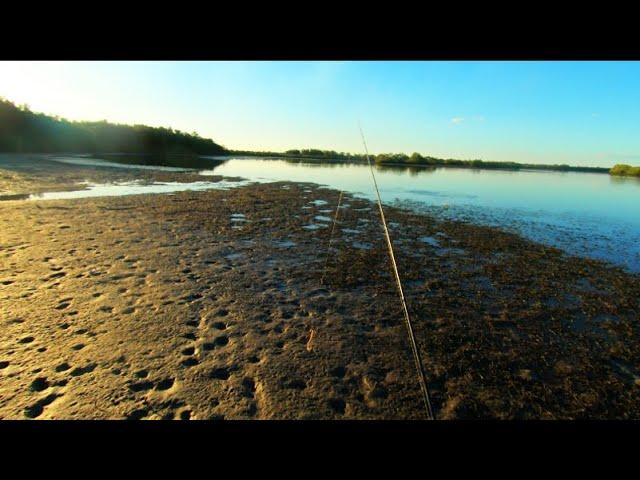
{"x":625,"y":170}
{"x":413,"y":160}
{"x":24,"y":131}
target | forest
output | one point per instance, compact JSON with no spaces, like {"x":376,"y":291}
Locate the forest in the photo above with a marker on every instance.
{"x":24,"y":131}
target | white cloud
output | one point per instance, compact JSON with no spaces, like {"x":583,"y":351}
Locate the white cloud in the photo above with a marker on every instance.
{"x":457,"y":120}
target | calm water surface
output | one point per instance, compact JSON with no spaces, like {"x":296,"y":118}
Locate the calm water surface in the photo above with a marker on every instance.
{"x":587,"y":214}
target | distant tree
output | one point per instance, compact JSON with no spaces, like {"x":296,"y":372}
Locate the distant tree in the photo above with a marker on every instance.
{"x":24,"y":131}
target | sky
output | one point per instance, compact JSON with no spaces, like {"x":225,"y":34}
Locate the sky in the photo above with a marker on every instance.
{"x":580,"y":113}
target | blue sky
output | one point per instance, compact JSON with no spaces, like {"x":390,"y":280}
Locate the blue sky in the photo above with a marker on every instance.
{"x":582,"y":113}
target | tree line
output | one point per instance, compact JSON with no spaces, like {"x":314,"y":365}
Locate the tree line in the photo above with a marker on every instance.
{"x":414,"y":160}
{"x":24,"y":131}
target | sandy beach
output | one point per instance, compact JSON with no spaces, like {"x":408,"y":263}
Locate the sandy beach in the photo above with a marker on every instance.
{"x":211,"y":305}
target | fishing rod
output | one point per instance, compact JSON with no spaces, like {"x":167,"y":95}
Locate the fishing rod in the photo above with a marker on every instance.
{"x":412,"y":338}
{"x":333,"y":227}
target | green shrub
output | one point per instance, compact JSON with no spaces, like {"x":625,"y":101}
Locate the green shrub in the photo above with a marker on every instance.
{"x":625,"y":170}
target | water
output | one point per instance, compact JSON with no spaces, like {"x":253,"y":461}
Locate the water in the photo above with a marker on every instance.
{"x":132,"y":188}
{"x":586,"y":214}
{"x":94,"y":162}
{"x":167,"y":163}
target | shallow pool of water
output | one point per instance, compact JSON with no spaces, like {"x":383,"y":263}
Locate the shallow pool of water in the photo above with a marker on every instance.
{"x":134,"y":188}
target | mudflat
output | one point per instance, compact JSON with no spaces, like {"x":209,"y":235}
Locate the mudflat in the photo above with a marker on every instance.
{"x":229,"y":304}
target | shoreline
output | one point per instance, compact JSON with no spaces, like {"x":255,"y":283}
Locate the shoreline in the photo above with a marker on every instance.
{"x":465,"y":164}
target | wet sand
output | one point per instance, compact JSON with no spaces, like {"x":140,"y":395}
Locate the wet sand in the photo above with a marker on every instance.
{"x":209,"y":305}
{"x":22,"y":175}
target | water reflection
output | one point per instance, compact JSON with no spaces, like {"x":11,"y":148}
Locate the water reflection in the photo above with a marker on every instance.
{"x":589,"y":214}
{"x":172,"y":163}
{"x":191,"y":162}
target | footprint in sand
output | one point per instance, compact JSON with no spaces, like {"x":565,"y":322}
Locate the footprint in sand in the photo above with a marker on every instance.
{"x":138,"y":414}
{"x":248,"y":387}
{"x":220,"y":341}
{"x":63,"y":304}
{"x":165,"y":384}
{"x":39,"y":384}
{"x":78,"y":371}
{"x":63,"y":367}
{"x":219,"y":374}
{"x":188,"y":351}
{"x":141,"y":386}
{"x":190,"y":362}
{"x":185,"y":414}
{"x":35,"y":410}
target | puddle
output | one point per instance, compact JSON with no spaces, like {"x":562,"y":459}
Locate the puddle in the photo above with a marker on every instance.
{"x":430,"y":240}
{"x":453,"y":251}
{"x":350,"y":231}
{"x":132,"y":188}
{"x":284,"y":244}
{"x":238,"y":218}
{"x":314,"y":226}
{"x":318,"y":203}
{"x":321,"y":218}
{"x":362,"y":245}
